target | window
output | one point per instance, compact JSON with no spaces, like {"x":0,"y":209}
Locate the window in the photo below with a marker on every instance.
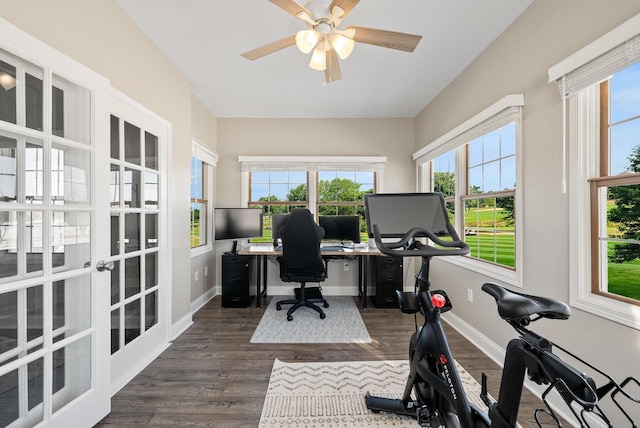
{"x":342,"y":193}
{"x":199,"y":202}
{"x":615,"y":192}
{"x":202,"y":162}
{"x":489,"y":218}
{"x":475,"y":168}
{"x":600,"y":85}
{"x":325,"y":186}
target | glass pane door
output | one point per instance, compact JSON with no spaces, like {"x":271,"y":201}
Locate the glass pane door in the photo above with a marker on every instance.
{"x":139,"y":324}
{"x":48,"y":288}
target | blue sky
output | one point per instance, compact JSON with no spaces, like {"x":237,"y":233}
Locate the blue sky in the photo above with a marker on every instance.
{"x":625,"y":105}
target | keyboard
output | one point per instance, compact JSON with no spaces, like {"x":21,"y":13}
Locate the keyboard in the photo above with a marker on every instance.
{"x":331,"y":248}
{"x":322,"y":248}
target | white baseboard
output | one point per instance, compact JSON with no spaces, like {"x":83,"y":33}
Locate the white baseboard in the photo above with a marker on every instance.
{"x":180,"y":326}
{"x":197,"y":304}
{"x":497,"y":353}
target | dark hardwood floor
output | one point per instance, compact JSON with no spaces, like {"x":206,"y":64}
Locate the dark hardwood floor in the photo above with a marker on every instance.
{"x":212,"y":376}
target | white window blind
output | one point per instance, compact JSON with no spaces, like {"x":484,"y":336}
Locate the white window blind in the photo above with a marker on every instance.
{"x":312,"y":163}
{"x":597,"y":61}
{"x":505,"y":111}
{"x":204,"y":153}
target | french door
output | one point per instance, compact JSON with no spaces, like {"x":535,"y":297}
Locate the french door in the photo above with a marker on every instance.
{"x":54,"y":332}
{"x":138,"y":238}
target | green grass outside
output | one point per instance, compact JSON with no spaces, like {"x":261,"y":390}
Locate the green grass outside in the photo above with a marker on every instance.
{"x":195,"y":234}
{"x":624,"y":278}
{"x":499,"y":248}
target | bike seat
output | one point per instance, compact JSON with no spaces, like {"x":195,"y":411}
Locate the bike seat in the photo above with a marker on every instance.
{"x":515,"y":306}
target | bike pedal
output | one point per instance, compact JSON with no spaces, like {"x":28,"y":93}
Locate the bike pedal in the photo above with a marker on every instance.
{"x":424,"y":416}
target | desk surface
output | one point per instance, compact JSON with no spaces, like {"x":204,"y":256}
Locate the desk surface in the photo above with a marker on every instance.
{"x":269,"y":250}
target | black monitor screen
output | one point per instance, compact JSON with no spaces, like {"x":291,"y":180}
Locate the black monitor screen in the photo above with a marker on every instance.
{"x":396,"y":214}
{"x":340,"y":227}
{"x":277,"y":221}
{"x":237,"y":223}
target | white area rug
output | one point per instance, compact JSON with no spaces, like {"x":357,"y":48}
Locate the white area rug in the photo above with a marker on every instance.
{"x":343,"y":324}
{"x":323,"y":395}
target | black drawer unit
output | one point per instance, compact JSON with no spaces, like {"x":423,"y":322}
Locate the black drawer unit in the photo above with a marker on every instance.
{"x":385,"y":273}
{"x":237,"y":272}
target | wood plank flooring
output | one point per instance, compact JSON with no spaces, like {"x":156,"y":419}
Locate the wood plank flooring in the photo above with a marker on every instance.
{"x":212,"y":376}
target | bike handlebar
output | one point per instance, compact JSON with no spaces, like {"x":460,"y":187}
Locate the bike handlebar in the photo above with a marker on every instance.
{"x":455,"y":247}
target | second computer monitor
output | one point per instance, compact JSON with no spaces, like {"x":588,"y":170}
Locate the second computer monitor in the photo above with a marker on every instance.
{"x":342,"y":228}
{"x":277,"y":221}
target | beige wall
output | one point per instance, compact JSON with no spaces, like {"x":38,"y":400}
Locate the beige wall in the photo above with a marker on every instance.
{"x":97,"y":34}
{"x":517,"y":62}
{"x":393,"y":138}
{"x":204,"y":128}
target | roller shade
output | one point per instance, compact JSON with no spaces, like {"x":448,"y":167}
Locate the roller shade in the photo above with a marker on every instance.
{"x":599,"y":60}
{"x":312,"y":163}
{"x":505,"y":111}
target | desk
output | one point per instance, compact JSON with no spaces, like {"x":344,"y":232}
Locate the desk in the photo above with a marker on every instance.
{"x":261,"y":252}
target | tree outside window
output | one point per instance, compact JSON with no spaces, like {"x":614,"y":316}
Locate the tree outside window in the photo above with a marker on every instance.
{"x":276,"y":192}
{"x":337,"y":193}
{"x":342,"y":193}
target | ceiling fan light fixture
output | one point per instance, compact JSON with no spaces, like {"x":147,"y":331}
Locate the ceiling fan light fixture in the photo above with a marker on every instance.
{"x":306,"y":40}
{"x":7,"y":81}
{"x":318,"y":59}
{"x":342,"y":45}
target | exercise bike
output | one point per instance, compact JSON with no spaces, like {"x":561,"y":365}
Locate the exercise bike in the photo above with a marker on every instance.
{"x":434,"y":394}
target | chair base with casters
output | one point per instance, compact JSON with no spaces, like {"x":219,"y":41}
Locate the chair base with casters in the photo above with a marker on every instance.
{"x":304,"y":297}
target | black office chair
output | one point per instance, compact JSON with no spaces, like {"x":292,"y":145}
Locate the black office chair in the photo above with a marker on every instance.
{"x":301,"y":261}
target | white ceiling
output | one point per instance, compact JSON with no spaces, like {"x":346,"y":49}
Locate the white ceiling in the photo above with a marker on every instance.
{"x":205,"y":38}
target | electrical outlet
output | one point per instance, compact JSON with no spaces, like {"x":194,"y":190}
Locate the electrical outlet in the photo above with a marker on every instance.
{"x":206,"y":271}
{"x":346,"y":266}
{"x":197,"y":276}
{"x":469,"y":295}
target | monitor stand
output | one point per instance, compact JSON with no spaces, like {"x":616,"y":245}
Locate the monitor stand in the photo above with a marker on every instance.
{"x":234,"y":248}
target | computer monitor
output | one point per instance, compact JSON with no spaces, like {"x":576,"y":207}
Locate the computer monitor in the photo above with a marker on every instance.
{"x":277,"y":221}
{"x":340,"y":228}
{"x":397,"y":213}
{"x":231,"y":224}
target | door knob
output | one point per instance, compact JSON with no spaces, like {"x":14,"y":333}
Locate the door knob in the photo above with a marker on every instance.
{"x":102,"y":266}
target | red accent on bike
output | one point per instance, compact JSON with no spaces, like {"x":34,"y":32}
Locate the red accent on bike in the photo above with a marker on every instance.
{"x":443,"y":359}
{"x":438,"y":300}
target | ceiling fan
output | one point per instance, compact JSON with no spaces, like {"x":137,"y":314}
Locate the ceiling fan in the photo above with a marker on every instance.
{"x":325,"y":38}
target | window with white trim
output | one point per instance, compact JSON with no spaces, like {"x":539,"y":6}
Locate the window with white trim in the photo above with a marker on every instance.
{"x":203,"y":160}
{"x":475,"y":167}
{"x":600,"y":88}
{"x":324,"y":185}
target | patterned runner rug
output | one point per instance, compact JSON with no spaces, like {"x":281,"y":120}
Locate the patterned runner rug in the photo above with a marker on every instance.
{"x":343,"y":324}
{"x":331,"y":395}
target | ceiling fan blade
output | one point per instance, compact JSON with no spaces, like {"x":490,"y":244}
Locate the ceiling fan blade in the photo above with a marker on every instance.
{"x":346,"y":5}
{"x":270,"y":48}
{"x":332,"y":70}
{"x":386,"y":39}
{"x":290,"y":6}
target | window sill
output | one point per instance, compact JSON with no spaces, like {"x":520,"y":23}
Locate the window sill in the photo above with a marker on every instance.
{"x":199,"y":251}
{"x":504,"y":275}
{"x":620,"y":312}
